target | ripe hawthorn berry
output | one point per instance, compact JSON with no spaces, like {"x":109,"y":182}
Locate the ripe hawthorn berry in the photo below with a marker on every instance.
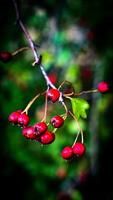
{"x":40,"y":128}
{"x":5,"y":56}
{"x":57,"y":121}
{"x":47,"y":137}
{"x":67,"y":152}
{"x":29,"y":132}
{"x":23,"y":119}
{"x":103,"y":87}
{"x":53,"y":95}
{"x":79,"y":149}
{"x":13,"y":117}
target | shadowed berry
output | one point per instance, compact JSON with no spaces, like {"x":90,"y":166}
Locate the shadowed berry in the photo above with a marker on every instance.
{"x":23,"y":119}
{"x":57,"y":121}
{"x":13,"y":117}
{"x":90,"y":35}
{"x":47,"y":137}
{"x":103,"y":87}
{"x":40,"y":128}
{"x":29,"y":132}
{"x":78,"y":149}
{"x":67,"y":152}
{"x":52,"y":77}
{"x":53,"y":95}
{"x":5,"y":56}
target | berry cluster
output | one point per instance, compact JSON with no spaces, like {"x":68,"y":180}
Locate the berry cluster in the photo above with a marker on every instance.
{"x":77,"y":149}
{"x":40,"y":130}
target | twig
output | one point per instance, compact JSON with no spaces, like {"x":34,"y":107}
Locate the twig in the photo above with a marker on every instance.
{"x":32,"y":45}
{"x":86,"y":92}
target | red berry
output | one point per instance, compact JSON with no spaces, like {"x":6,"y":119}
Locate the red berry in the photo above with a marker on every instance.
{"x":29,"y":132}
{"x":52,"y":77}
{"x":57,"y":121}
{"x":103,"y":87}
{"x":67,"y":152}
{"x":13,"y":117}
{"x":53,"y":95}
{"x":5,"y":56}
{"x":23,"y":119}
{"x":40,"y":128}
{"x":79,"y":149}
{"x":47,"y":137}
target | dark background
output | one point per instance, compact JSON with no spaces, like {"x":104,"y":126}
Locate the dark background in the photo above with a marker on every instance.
{"x":27,"y":171}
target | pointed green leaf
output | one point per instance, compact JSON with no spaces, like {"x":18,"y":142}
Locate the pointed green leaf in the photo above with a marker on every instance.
{"x":79,"y":107}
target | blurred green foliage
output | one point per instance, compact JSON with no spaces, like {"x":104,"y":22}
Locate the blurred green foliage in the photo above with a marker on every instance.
{"x":60,"y":28}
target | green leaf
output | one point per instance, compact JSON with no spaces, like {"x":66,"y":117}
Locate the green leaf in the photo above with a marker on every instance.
{"x":79,"y":107}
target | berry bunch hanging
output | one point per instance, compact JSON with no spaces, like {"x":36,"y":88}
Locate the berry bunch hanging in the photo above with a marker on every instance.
{"x":40,"y":131}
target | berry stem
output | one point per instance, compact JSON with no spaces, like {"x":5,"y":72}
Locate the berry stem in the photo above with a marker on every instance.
{"x":76,"y":139}
{"x":45,"y":109}
{"x":65,"y":81}
{"x":66,"y":110}
{"x":80,"y":93}
{"x":20,"y":50}
{"x":30,"y":103}
{"x":74,"y":117}
{"x":86,"y":92}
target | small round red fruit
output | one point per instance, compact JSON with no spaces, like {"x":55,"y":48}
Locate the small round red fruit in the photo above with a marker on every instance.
{"x":40,"y":128}
{"x":67,"y":152}
{"x":29,"y":132}
{"x":103,"y":87}
{"x":5,"y":56}
{"x":53,"y":95}
{"x":23,"y":119}
{"x":79,"y":149}
{"x":13,"y":117}
{"x":57,"y":121}
{"x":47,"y":138}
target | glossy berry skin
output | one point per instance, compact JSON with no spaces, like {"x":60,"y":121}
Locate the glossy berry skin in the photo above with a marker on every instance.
{"x":67,"y":153}
{"x":78,"y":149}
{"x":53,"y":95}
{"x":13,"y":117}
{"x":40,"y":128}
{"x":57,"y":121}
{"x":29,"y":132}
{"x":23,"y":119}
{"x":5,"y":56}
{"x":47,"y":138}
{"x":103,"y":87}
